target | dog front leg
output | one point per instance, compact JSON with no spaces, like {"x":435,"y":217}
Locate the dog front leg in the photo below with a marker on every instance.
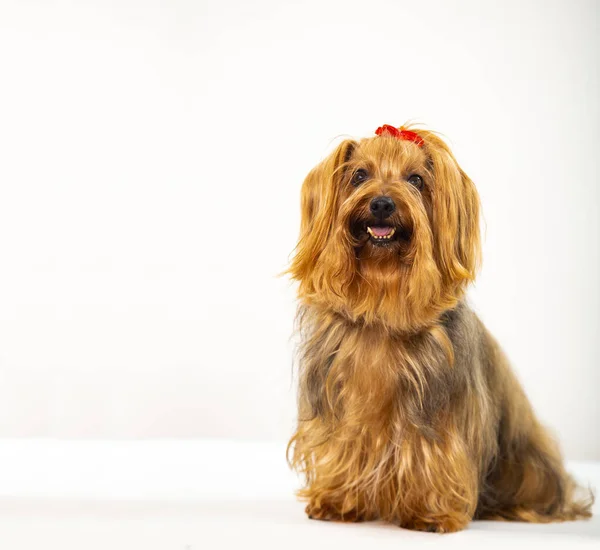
{"x":438,"y":484}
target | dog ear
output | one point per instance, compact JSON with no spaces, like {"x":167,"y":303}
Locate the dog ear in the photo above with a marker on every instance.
{"x":455,"y":214}
{"x":319,"y":204}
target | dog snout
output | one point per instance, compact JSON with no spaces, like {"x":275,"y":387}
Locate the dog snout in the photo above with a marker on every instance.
{"x":382,"y":207}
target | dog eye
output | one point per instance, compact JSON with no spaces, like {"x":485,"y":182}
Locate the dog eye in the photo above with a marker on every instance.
{"x":416,"y":180}
{"x":359,"y":176}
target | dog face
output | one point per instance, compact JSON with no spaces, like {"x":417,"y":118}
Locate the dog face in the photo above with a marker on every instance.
{"x":389,"y":231}
{"x":386,"y":199}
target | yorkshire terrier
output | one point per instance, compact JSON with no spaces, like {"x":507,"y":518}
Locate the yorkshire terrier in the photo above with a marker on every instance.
{"x":408,"y":409}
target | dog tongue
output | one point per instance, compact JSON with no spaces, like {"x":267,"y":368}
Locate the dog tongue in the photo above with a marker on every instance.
{"x":381,"y":231}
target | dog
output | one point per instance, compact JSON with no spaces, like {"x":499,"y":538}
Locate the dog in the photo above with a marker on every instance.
{"x":408,"y":410}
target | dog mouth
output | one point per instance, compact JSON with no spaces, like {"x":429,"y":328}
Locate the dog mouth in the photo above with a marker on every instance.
{"x":381,"y":234}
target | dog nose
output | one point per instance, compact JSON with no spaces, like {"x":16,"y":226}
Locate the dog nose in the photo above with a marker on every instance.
{"x":382,"y":207}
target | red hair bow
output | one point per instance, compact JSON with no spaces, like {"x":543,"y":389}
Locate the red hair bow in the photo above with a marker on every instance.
{"x":400,"y":133}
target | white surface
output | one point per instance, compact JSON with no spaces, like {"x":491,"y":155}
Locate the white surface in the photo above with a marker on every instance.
{"x":200,"y":495}
{"x":131,"y":306}
{"x":207,"y":494}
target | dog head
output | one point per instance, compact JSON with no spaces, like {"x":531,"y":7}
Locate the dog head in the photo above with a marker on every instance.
{"x":389,"y":230}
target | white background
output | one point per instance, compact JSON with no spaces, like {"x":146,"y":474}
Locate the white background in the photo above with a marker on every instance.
{"x":151,"y":157}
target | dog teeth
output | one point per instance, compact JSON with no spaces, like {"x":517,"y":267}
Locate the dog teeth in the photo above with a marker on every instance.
{"x":381,"y":237}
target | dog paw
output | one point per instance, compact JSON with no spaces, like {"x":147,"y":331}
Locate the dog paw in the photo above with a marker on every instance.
{"x":328,"y":513}
{"x":435,"y":525}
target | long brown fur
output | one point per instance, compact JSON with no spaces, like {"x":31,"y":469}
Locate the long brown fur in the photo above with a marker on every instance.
{"x":408,"y":409}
